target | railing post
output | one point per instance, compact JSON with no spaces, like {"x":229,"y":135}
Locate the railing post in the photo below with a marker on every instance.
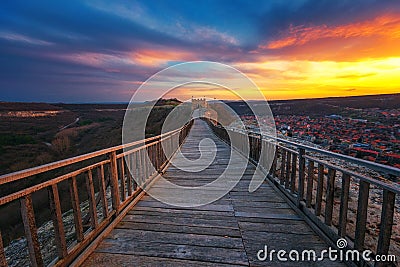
{"x":3,"y":260}
{"x":91,"y":199}
{"x":273,"y":167}
{"x":55,"y":210}
{"x":122,"y":172}
{"x":320,"y":189}
{"x":310,"y":183}
{"x":386,"y":222}
{"x":114,"y":181}
{"x":157,"y":156}
{"x":282,"y":168}
{"x":302,"y":163}
{"x":129,"y":174}
{"x":73,"y":190}
{"x":136,"y":173}
{"x":330,"y":190}
{"x":293,"y":172}
{"x":102,"y":192}
{"x":362,"y":208}
{"x":28,"y":218}
{"x":344,"y":204}
{"x":287,"y":171}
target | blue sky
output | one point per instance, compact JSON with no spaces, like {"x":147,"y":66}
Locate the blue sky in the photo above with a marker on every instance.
{"x":100,"y":51}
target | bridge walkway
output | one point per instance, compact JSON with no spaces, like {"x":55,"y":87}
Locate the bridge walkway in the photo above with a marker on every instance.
{"x":227,"y":232}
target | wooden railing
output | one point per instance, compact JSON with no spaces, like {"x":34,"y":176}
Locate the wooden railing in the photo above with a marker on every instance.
{"x":330,"y":189}
{"x":107,"y":185}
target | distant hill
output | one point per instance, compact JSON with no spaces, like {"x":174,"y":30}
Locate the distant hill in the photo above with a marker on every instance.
{"x":170,"y":101}
{"x":32,"y":134}
{"x":323,"y":106}
{"x":20,"y":106}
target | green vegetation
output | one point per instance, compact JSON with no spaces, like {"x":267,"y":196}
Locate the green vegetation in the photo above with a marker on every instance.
{"x":15,"y":139}
{"x":84,"y":122}
{"x":104,"y":119}
{"x":39,"y":140}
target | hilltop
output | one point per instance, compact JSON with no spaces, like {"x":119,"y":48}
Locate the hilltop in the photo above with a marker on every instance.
{"x":349,"y":105}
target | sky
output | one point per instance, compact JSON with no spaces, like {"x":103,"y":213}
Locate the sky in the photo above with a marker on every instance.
{"x":102,"y":51}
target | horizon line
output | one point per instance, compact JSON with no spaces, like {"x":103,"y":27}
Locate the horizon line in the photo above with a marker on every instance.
{"x":123,"y":102}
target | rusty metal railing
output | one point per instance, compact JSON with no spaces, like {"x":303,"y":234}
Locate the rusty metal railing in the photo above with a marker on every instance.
{"x":102,"y":180}
{"x":342,"y":196}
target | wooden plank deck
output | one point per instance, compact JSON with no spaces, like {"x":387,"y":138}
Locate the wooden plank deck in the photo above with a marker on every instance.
{"x":227,"y":232}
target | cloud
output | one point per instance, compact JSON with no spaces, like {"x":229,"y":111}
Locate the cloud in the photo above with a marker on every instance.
{"x":355,"y":76}
{"x":160,"y":57}
{"x":83,"y":50}
{"x":385,"y":25}
{"x":15,"y":37}
{"x":281,"y":14}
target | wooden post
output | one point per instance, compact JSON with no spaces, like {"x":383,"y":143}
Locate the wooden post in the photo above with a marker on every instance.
{"x":362,"y":209}
{"x":273,"y":167}
{"x":302,"y":163}
{"x":28,"y":219}
{"x":92,"y":200}
{"x":344,"y":204}
{"x":3,"y":260}
{"x":152,"y":165}
{"x":140,"y":167}
{"x":114,"y":181}
{"x":73,"y":190}
{"x":122,"y":171}
{"x":157,"y":164}
{"x":320,"y":188}
{"x":259,"y":140}
{"x":103,"y":194}
{"x":330,"y":196}
{"x":160,"y":155}
{"x":146,"y":163}
{"x":294,"y":170}
{"x":310,"y":182}
{"x":250,"y":147}
{"x":56,"y":216}
{"x":162,"y":151}
{"x":135,"y":167}
{"x":386,"y":222}
{"x":282,"y":167}
{"x":129,"y":174}
{"x":287,"y":172}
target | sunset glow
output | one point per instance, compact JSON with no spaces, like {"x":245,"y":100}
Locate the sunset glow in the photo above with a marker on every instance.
{"x":386,"y":26}
{"x":294,"y":50}
{"x":283,"y":79}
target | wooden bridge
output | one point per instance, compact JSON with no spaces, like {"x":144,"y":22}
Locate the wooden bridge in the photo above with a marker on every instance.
{"x":305,"y":203}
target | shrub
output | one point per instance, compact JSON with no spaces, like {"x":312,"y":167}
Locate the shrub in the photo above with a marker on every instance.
{"x":15,"y":139}
{"x":61,"y":144}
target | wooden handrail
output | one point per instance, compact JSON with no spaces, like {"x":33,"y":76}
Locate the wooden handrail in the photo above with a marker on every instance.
{"x":311,"y":184}
{"x":128,"y":169}
{"x":361,"y":162}
{"x":14,"y":176}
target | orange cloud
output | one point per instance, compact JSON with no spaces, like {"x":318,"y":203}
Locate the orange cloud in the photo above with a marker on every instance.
{"x":387,"y":26}
{"x":152,"y":57}
{"x":89,"y":58}
{"x":144,"y":57}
